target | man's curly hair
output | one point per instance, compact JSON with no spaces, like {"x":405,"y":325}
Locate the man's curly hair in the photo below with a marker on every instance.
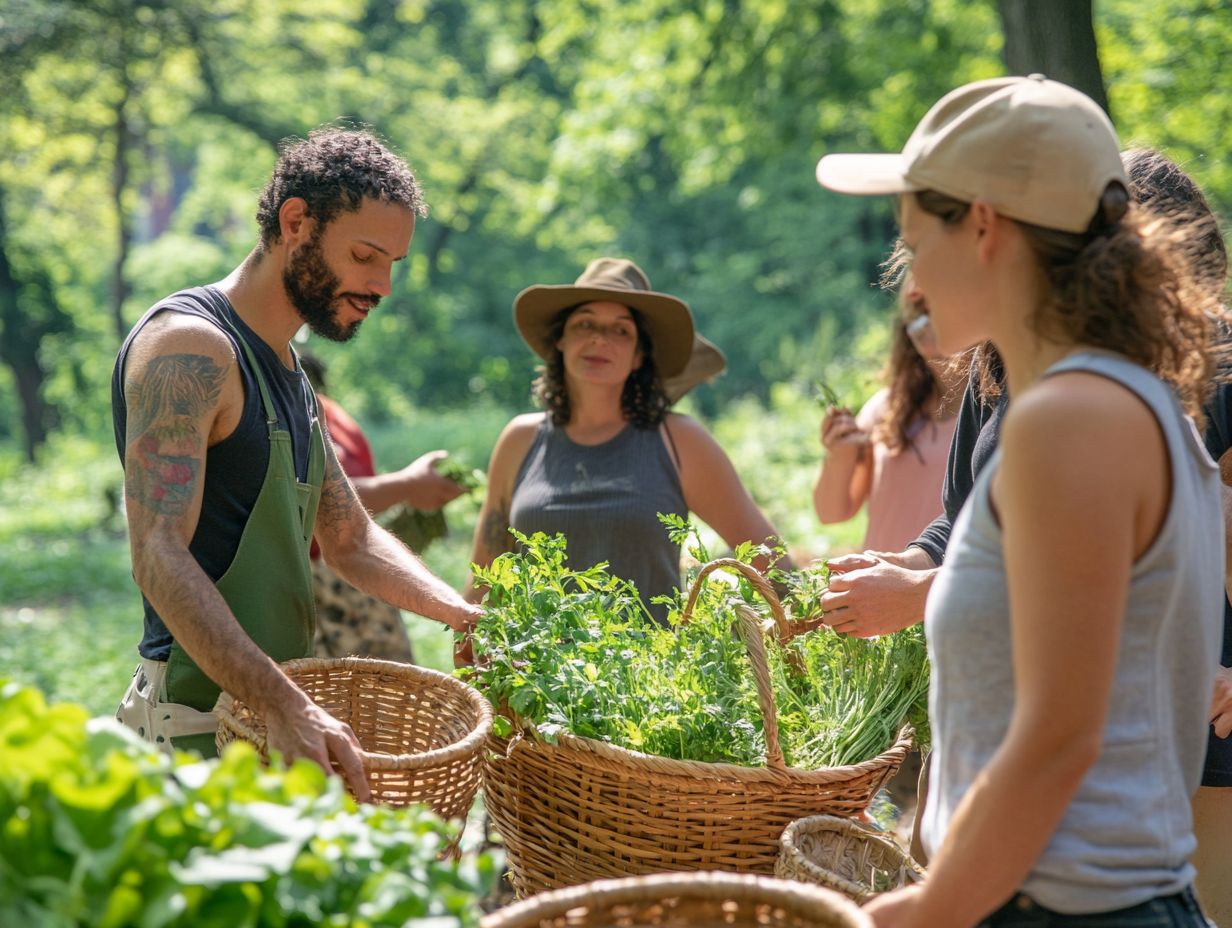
{"x":333,"y":170}
{"x":643,"y":401}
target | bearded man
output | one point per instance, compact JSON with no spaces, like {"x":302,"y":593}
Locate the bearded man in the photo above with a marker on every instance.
{"x":227,"y":475}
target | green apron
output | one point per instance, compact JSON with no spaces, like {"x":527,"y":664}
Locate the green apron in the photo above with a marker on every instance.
{"x":269,"y":583}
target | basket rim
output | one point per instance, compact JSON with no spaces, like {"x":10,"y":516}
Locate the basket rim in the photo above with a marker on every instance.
{"x":224,"y":709}
{"x":714,"y":770}
{"x":816,"y":901}
{"x":815,"y":823}
{"x":848,"y":826}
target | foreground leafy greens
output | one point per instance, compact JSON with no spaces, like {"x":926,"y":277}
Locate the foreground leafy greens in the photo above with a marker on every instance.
{"x":99,"y":829}
{"x":573,"y":650}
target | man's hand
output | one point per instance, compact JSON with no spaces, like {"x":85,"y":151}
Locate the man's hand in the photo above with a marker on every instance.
{"x":870,"y":595}
{"x":464,"y":617}
{"x":304,"y":729}
{"x":423,"y":487}
{"x":1221,"y":703}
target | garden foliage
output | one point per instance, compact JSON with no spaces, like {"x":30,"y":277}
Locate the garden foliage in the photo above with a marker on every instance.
{"x":572,"y":649}
{"x":100,"y":829}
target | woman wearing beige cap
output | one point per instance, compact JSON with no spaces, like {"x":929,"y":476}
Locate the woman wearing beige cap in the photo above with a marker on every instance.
{"x":1074,"y":630}
{"x":606,"y":456}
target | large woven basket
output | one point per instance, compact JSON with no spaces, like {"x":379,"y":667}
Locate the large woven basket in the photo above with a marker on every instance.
{"x":422,"y":731}
{"x":843,"y":855}
{"x":683,"y":900}
{"x":581,"y":810}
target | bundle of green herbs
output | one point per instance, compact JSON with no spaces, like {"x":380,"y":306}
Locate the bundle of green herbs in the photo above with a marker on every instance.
{"x":565,"y":649}
{"x":418,"y":528}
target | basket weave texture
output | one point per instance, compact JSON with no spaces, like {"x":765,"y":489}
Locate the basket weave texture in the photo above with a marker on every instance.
{"x":683,"y":900}
{"x":580,"y":810}
{"x":845,"y":856}
{"x":422,"y":731}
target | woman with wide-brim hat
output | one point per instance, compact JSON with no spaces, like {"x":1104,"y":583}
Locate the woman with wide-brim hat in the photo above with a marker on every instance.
{"x":606,"y":456}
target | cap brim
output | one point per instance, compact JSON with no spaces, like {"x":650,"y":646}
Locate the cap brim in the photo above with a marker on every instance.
{"x":867,"y":175}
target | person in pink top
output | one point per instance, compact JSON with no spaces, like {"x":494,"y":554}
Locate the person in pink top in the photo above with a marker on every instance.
{"x":892,"y":455}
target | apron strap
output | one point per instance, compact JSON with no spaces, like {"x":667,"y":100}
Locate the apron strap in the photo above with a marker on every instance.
{"x":271,"y":416}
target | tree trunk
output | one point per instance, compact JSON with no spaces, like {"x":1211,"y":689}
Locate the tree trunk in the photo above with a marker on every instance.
{"x":35,"y":413}
{"x":20,"y":359}
{"x":119,"y":185}
{"x":21,"y":334}
{"x":1055,"y":38}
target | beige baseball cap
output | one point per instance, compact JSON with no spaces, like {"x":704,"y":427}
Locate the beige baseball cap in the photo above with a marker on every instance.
{"x":1037,"y":150}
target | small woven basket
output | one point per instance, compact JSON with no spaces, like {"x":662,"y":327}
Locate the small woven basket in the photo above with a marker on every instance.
{"x":422,"y":731}
{"x":843,"y":855}
{"x":683,"y":900}
{"x":578,"y":810}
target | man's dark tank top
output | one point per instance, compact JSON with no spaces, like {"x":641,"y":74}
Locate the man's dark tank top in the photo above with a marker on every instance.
{"x":605,"y":499}
{"x":235,"y":467}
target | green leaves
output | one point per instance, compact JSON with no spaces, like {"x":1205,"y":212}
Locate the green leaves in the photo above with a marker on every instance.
{"x":99,"y":829}
{"x":562,"y":649}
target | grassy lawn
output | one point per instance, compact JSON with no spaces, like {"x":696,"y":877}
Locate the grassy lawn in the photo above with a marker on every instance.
{"x":70,"y":614}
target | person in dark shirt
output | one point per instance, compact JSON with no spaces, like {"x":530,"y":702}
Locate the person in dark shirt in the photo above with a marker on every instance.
{"x":227,"y":471}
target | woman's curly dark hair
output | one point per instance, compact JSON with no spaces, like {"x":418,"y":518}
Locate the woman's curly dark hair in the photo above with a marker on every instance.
{"x":333,"y":170}
{"x":907,"y":373}
{"x":1129,"y":283}
{"x":643,"y":401}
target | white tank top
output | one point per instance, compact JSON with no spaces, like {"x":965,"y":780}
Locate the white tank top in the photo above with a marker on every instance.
{"x":1126,"y":836}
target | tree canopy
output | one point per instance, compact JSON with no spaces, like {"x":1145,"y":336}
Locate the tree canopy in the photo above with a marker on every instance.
{"x":679,"y":133}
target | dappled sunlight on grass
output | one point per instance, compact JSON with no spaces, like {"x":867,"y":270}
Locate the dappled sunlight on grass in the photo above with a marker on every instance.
{"x":81,"y":651}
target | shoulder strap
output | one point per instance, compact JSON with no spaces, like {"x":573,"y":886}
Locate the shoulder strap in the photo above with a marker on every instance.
{"x":671,"y":443}
{"x":271,"y":415}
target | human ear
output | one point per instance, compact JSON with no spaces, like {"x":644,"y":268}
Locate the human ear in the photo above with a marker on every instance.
{"x":294,"y":220}
{"x":985,"y":222}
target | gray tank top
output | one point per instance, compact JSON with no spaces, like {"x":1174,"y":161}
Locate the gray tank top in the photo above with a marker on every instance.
{"x":1126,"y":836}
{"x":605,"y":499}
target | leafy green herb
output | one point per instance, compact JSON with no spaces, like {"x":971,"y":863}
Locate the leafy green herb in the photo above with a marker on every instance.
{"x":469,"y":479}
{"x":572,"y":650}
{"x":418,"y":528}
{"x":99,"y":829}
{"x":826,"y":397}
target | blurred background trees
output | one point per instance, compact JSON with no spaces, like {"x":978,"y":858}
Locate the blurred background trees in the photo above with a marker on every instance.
{"x":135,"y":135}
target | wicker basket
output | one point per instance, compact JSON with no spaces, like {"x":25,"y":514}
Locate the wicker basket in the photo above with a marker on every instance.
{"x":843,"y":855}
{"x":683,"y":900}
{"x":422,"y":731}
{"x":581,"y":810}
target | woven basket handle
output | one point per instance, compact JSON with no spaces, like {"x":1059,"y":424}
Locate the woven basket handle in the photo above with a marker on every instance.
{"x":751,"y":632}
{"x":783,"y":627}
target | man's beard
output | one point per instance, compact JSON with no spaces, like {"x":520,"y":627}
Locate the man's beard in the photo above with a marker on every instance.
{"x":312,"y":288}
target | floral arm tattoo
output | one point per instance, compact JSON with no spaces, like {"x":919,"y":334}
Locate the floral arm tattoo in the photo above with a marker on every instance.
{"x":167,"y":409}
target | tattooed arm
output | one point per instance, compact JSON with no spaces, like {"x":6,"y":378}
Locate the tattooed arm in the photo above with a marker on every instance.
{"x":492,"y":528}
{"x":183,"y":391}
{"x":372,"y":559}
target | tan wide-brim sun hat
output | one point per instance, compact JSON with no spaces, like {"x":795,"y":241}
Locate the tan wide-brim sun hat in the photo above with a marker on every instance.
{"x":1036,"y":150}
{"x":616,"y":280}
{"x":705,"y":364}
